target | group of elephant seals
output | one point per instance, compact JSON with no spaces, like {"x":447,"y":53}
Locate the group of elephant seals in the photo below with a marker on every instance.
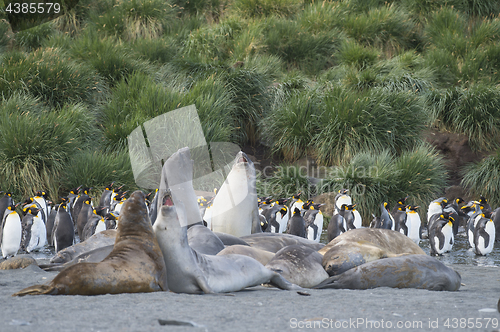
{"x":409,"y":271}
{"x":194,"y":273}
{"x":363,"y":245}
{"x":134,"y":265}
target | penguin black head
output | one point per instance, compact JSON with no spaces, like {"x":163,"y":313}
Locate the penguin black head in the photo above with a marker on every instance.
{"x":110,"y":186}
{"x":459,"y":200}
{"x":296,"y":211}
{"x":33,"y":210}
{"x":283,"y":211}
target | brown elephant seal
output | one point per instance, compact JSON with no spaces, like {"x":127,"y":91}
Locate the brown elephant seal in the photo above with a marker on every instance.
{"x":194,"y":273}
{"x":360,"y":246}
{"x":135,"y":265}
{"x":409,"y":271}
{"x":300,"y":265}
{"x":275,"y":241}
{"x":101,"y":239}
{"x":17,"y":262}
{"x":258,"y":254}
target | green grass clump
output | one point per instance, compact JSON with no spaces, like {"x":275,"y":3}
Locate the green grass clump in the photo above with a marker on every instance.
{"x":354,"y":54}
{"x":96,"y":169}
{"x":285,"y":181}
{"x":298,"y":47}
{"x":31,"y":39}
{"x":374,"y":120}
{"x":112,"y":60}
{"x":36,"y":144}
{"x":472,"y":111}
{"x":291,"y":127}
{"x":483,"y":178}
{"x":51,"y":75}
{"x":260,"y":8}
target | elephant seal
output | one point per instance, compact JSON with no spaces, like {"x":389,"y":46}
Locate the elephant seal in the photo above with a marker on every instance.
{"x":135,"y":265}
{"x":230,"y":240}
{"x":235,"y":208}
{"x":101,"y":239}
{"x":262,"y":256}
{"x":300,"y":265}
{"x":201,"y":239}
{"x":275,"y":241}
{"x":93,"y":256}
{"x":409,"y":271}
{"x":363,"y":245}
{"x":17,"y":262}
{"x":194,"y":273}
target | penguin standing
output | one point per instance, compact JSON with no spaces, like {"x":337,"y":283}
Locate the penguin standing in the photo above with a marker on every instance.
{"x":314,"y":222}
{"x":473,"y":220}
{"x":72,"y":196}
{"x":335,"y":227}
{"x":105,"y":200}
{"x":117,"y":203}
{"x":291,"y":203}
{"x":110,"y":220}
{"x":484,"y":235}
{"x":271,"y":224}
{"x":435,"y":207}
{"x":296,"y":224}
{"x":453,"y":211}
{"x":77,"y":206}
{"x":63,"y":234}
{"x":84,"y":216}
{"x":11,"y":232}
{"x":346,"y":212}
{"x":439,"y":236}
{"x":400,"y":206}
{"x":49,"y":226}
{"x":358,"y":223}
{"x":95,"y":224}
{"x":413,"y":223}
{"x":41,"y":199}
{"x":34,"y":232}
{"x":385,"y":221}
{"x":400,"y":219}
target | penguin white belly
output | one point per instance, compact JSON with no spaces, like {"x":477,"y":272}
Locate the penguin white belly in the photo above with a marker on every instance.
{"x":437,"y":245}
{"x":471,"y":233}
{"x":449,"y":239}
{"x":318,"y":221}
{"x":235,"y":208}
{"x":12,"y":234}
{"x":283,"y":221}
{"x":393,"y":222}
{"x":38,"y":235}
{"x":490,"y":229}
{"x":118,"y":207}
{"x":101,"y":226}
{"x":433,"y":209}
{"x":358,"y":223}
{"x":413,"y":224}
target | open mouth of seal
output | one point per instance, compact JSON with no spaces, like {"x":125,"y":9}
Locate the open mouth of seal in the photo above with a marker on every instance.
{"x":242,"y":160}
{"x":167,"y":199}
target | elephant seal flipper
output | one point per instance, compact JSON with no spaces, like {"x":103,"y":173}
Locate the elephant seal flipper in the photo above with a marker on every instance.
{"x":134,"y":265}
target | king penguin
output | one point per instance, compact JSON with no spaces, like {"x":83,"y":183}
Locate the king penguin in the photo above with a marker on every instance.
{"x":296,"y":224}
{"x":413,"y":223}
{"x":335,"y":226}
{"x":314,"y":222}
{"x":34,"y":232}
{"x":63,"y":234}
{"x":341,"y":198}
{"x":5,"y":201}
{"x":95,"y":224}
{"x":11,"y":232}
{"x":438,"y":235}
{"x":484,"y":235}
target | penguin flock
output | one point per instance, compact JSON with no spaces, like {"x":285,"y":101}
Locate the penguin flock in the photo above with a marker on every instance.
{"x":39,"y":224}
{"x":76,"y":219}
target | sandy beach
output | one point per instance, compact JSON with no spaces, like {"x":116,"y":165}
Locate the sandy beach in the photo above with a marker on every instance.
{"x":472,"y":308}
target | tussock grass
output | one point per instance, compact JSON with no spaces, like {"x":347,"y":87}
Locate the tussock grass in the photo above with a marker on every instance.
{"x":354,"y":54}
{"x":96,"y":169}
{"x":31,"y":39}
{"x":374,"y":120}
{"x":50,"y":74}
{"x":472,"y":111}
{"x":483,"y":178}
{"x":112,"y":60}
{"x":287,"y":180}
{"x":265,"y":8}
{"x":36,"y":143}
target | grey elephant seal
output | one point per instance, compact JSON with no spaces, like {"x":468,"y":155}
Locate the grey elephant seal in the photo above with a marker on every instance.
{"x":203,"y":240}
{"x":360,"y":246}
{"x":193,"y":273}
{"x":101,"y":239}
{"x":409,"y":271}
{"x":300,"y":265}
{"x":135,"y":265}
{"x":262,"y":256}
{"x":275,"y":241}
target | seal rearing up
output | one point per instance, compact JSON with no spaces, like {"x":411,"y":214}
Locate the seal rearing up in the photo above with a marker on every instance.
{"x":134,"y":265}
{"x":194,"y":273}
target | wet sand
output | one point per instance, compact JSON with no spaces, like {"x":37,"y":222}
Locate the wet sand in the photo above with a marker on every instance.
{"x":256,"y":309}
